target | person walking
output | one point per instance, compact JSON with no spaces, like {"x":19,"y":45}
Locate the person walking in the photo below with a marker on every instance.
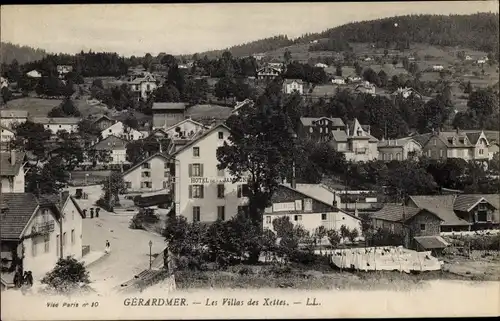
{"x":108,"y":247}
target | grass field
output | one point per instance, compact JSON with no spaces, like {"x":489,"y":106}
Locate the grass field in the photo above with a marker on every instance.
{"x":38,"y":107}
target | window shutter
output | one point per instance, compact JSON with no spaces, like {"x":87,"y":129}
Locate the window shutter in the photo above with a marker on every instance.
{"x":202,"y":190}
{"x":190,"y":191}
{"x":489,"y":216}
{"x":201,"y":170}
{"x":190,"y":170}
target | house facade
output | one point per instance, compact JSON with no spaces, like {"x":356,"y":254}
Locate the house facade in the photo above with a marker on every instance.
{"x":293,"y":85}
{"x":398,"y":149}
{"x":356,"y":142}
{"x":32,"y":228}
{"x":320,"y":128}
{"x":406,"y":93}
{"x":455,"y":144}
{"x":62,"y":70}
{"x":7,"y":134}
{"x":11,"y":118}
{"x":150,"y":175}
{"x":166,"y":115}
{"x":463,"y":212}
{"x":338,"y":80}
{"x":202,"y":192}
{"x":143,"y":87}
{"x":103,"y":122}
{"x":185,"y":129}
{"x":268,"y":73}
{"x":309,"y":212}
{"x":55,"y":124}
{"x":365,"y":88}
{"x":113,"y":147}
{"x":419,"y":228}
{"x":12,"y":172}
{"x":121,"y":130}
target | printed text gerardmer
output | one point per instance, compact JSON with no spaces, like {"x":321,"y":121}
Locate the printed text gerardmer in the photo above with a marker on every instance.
{"x":182,"y":302}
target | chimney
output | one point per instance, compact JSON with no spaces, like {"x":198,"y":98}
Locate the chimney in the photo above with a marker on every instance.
{"x":12,"y":157}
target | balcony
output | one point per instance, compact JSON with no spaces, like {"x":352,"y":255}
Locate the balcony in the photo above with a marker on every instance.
{"x":44,"y":228}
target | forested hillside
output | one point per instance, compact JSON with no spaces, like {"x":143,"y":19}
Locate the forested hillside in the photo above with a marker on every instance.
{"x":476,"y":31}
{"x":22,"y":54}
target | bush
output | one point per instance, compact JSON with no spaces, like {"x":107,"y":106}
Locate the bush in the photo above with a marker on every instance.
{"x":105,"y":205}
{"x":280,"y":270}
{"x":67,"y":276}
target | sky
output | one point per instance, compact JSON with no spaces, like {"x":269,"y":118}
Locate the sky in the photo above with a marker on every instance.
{"x":136,"y":29}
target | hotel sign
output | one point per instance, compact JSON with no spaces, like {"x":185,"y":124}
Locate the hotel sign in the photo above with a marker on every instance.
{"x":216,"y":180}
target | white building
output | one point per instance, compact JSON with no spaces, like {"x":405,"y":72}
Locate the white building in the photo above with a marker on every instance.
{"x":356,"y":142}
{"x":62,"y":70}
{"x":293,"y":85}
{"x":437,"y":67}
{"x":115,"y":147}
{"x":10,"y":117}
{"x":7,"y":134}
{"x":118,"y":129}
{"x":150,"y":175}
{"x":338,"y":80}
{"x":34,"y":74}
{"x":12,"y":172}
{"x":55,"y":124}
{"x":307,"y":211}
{"x":33,"y":226}
{"x":4,"y":82}
{"x":321,"y":65}
{"x":201,"y":191}
{"x":481,"y":61}
{"x":142,"y":87}
{"x":185,"y":129}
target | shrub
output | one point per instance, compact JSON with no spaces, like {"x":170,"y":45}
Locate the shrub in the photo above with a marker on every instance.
{"x":105,"y":205}
{"x":67,"y":276}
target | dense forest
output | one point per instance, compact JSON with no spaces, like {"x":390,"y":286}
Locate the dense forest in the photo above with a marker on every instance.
{"x":476,"y":31}
{"x":23,"y":54}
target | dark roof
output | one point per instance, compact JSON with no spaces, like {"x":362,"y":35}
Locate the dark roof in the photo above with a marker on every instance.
{"x":431,"y":242}
{"x":13,"y":113}
{"x":333,"y":208}
{"x":394,"y":213}
{"x":110,"y":143}
{"x":169,"y":106}
{"x":57,"y":120}
{"x":205,"y":134}
{"x":143,"y":161}
{"x":309,"y":121}
{"x":464,"y":202}
{"x":20,"y":209}
{"x":440,"y":205}
{"x":473,"y":137}
{"x":400,"y":142}
{"x":6,"y":167}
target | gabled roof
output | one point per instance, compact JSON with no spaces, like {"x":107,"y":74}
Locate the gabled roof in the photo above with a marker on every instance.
{"x":169,"y":106}
{"x":289,"y":81}
{"x":57,"y":120}
{"x":394,"y":213}
{"x":441,"y":205}
{"x":400,"y":142}
{"x":268,"y":67}
{"x":20,"y":207}
{"x":332,"y":208}
{"x":185,"y":121}
{"x":59,"y":201}
{"x":6,"y":167}
{"x":103,"y":117}
{"x":199,"y":138}
{"x":144,"y":161}
{"x":309,"y":121}
{"x":110,"y":143}
{"x":13,"y":113}
{"x":465,"y":202}
{"x":474,"y":137}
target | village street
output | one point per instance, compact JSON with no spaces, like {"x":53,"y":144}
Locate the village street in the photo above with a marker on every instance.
{"x":129,"y":248}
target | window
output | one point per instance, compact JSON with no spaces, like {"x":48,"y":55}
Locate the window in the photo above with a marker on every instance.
{"x":128,"y":184}
{"x":145,"y":165}
{"x":196,"y":151}
{"x":311,"y":129}
{"x":73,"y":236}
{"x":308,"y":204}
{"x":321,"y":129}
{"x":220,"y":190}
{"x":165,"y":166}
{"x":46,"y":243}
{"x":221,"y":135}
{"x":165,"y":184}
{"x":195,"y":170}
{"x":221,"y":213}
{"x":72,"y":215}
{"x":422,"y":227}
{"x":146,"y":185}
{"x":64,"y":239}
{"x":243,"y":190}
{"x":323,"y":217}
{"x":58,"y":245}
{"x":435,"y":142}
{"x":195,"y":191}
{"x":109,"y":131}
{"x":166,"y":174}
{"x":220,"y":172}
{"x":297,"y":218}
{"x":441,"y":153}
{"x":268,"y":219}
{"x":196,"y":213}
{"x":146,"y":174}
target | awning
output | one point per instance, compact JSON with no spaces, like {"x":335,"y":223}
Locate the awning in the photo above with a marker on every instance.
{"x":431,"y":242}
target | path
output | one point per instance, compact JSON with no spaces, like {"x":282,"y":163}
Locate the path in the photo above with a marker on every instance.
{"x":129,"y":248}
